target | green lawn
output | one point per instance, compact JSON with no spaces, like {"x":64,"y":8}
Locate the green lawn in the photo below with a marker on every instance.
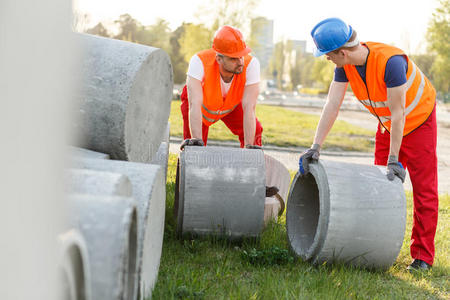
{"x":283,"y":127}
{"x":217,"y":269}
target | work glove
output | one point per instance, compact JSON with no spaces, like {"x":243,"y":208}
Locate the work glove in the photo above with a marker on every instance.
{"x":395,"y":168}
{"x":307,"y":157}
{"x":191,"y":142}
{"x":248,"y":146}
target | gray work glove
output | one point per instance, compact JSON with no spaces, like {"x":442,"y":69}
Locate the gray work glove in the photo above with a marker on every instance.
{"x":248,"y":146}
{"x":191,"y":142}
{"x":307,"y":157}
{"x":395,"y":168}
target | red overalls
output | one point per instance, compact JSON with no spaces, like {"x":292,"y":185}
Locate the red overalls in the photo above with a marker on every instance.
{"x":418,"y":149}
{"x":418,"y":155}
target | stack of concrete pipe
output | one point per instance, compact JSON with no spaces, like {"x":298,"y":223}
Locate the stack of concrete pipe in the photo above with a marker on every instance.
{"x":222,"y":191}
{"x":347,"y":213}
{"x":113,"y":248}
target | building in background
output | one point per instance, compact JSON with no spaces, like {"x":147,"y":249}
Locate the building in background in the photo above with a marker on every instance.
{"x":261,"y":40}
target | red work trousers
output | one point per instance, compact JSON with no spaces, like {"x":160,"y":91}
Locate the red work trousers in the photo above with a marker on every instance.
{"x":418,"y":156}
{"x":234,"y":121}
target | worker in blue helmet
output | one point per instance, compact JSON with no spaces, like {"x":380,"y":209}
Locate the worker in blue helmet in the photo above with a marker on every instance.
{"x":388,"y":83}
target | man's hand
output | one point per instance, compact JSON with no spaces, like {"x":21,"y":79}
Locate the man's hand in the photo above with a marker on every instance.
{"x":395,"y":168}
{"x":191,"y":142}
{"x":253,"y":147}
{"x":307,"y":157}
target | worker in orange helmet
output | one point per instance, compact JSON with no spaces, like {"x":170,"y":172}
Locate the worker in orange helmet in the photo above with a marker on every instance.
{"x":388,"y":83}
{"x":222,"y":84}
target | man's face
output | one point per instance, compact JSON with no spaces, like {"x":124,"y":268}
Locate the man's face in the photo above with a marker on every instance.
{"x":337,"y":58}
{"x":232,"y":64}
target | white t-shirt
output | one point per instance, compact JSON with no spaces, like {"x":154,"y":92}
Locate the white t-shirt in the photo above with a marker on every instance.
{"x":196,"y":71}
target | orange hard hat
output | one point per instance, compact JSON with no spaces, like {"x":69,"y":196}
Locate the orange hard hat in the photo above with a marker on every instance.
{"x":230,"y":42}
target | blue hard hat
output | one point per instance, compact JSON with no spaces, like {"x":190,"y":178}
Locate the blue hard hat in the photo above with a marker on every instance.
{"x":330,"y":34}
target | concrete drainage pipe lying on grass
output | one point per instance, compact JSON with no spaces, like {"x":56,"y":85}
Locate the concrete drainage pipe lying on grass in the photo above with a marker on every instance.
{"x":220,"y":191}
{"x":347,"y":213}
{"x":109,"y":226}
{"x":73,"y":266}
{"x":149,"y":191}
{"x":125,"y":98}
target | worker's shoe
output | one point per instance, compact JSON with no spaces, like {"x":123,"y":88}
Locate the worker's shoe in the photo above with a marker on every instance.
{"x":418,"y":265}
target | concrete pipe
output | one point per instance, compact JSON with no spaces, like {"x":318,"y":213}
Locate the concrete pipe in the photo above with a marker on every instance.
{"x":277,"y":175}
{"x":125,"y":99}
{"x":74,"y":268}
{"x":81,"y":181}
{"x":149,"y":191}
{"x":348,"y":213}
{"x":81,"y":152}
{"x":109,"y":226}
{"x":220,"y":191}
{"x":162,"y":155}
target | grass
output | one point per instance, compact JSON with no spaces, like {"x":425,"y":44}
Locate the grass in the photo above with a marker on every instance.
{"x":286,"y":128}
{"x":211,"y":268}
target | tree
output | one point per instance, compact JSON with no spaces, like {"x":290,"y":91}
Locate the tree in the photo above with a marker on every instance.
{"x":438,"y":38}
{"x":99,"y":30}
{"x":424,"y":62}
{"x":179,"y":64}
{"x":323,"y":72}
{"x":80,"y":21}
{"x":236,"y":13}
{"x":156,"y":35}
{"x":128,"y":28}
{"x":277,"y":63}
{"x":195,"y":39}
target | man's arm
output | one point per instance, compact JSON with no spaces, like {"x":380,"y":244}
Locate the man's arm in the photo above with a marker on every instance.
{"x":195,"y":98}
{"x":249,"y":99}
{"x":330,"y":110}
{"x":396,"y":99}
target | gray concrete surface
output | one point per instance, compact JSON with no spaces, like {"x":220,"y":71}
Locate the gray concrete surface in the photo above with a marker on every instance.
{"x":149,"y":192}
{"x":73,"y":266}
{"x":347,"y":213}
{"x":124,"y":102}
{"x":82,"y":152}
{"x":81,"y":181}
{"x":221,"y":191}
{"x":162,"y":155}
{"x":109,"y":225}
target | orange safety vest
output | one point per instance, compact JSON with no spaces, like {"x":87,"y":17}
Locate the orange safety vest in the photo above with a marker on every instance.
{"x":420,"y":93}
{"x":215,"y":106}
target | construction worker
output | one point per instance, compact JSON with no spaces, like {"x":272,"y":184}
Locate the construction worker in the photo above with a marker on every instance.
{"x":222,"y":84}
{"x":386,"y":81}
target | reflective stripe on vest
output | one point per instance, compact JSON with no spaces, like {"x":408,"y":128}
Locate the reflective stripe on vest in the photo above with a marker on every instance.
{"x":413,"y":104}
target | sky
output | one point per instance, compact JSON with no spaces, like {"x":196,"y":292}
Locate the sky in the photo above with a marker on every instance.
{"x":399,"y":22}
